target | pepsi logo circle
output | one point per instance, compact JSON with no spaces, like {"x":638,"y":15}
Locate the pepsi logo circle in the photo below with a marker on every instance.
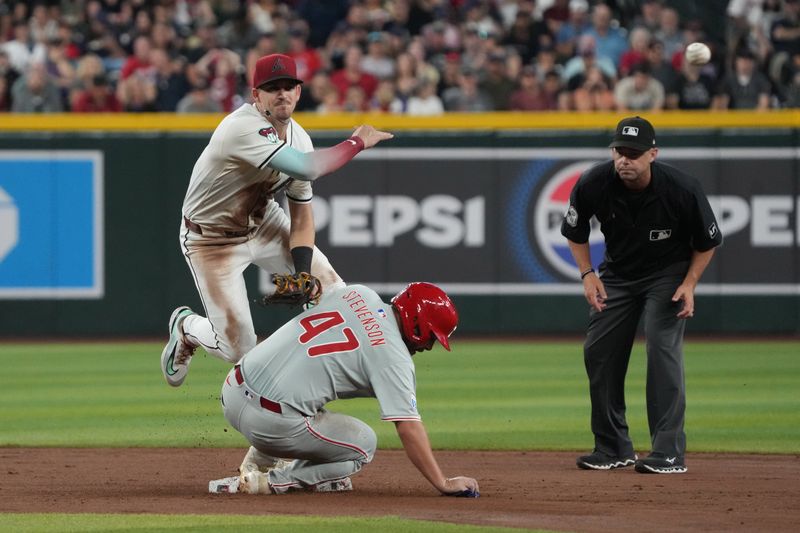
{"x":549,"y":208}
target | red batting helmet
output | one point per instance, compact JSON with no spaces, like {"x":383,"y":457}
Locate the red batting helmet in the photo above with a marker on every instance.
{"x":425,"y":310}
{"x":274,"y":67}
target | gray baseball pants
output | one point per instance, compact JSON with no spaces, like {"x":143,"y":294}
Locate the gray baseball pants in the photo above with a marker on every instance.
{"x":326,"y":446}
{"x":607,"y":350}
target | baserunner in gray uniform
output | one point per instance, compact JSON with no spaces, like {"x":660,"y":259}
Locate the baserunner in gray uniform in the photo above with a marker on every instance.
{"x":350,"y":345}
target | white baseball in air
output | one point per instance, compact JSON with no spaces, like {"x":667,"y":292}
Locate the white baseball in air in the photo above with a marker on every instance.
{"x":698,"y":54}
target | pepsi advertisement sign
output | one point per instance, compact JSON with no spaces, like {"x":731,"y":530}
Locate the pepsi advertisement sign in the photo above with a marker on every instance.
{"x":486,"y":221}
{"x":51,"y":224}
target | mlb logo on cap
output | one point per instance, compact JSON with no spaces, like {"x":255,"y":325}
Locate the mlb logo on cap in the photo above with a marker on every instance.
{"x":635,"y":133}
{"x":274,"y":67}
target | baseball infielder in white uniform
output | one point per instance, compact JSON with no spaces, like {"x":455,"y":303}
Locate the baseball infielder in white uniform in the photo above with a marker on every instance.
{"x":350,"y":345}
{"x":230,"y":218}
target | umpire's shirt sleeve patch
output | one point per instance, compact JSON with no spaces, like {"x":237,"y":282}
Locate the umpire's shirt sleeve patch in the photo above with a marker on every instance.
{"x":575,"y":225}
{"x":705,"y":230}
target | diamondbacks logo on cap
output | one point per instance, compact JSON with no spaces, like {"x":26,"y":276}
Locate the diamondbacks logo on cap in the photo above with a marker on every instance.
{"x":278,"y":65}
{"x":633,"y":131}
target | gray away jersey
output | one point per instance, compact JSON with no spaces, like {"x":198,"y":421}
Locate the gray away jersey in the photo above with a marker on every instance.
{"x":348,"y":346}
{"x":232,"y":181}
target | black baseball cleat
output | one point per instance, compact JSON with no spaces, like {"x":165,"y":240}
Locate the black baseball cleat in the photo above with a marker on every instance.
{"x":600,"y":461}
{"x":658,"y":463}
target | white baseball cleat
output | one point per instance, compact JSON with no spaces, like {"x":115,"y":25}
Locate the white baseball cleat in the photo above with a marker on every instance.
{"x":178,"y":352}
{"x":254,"y":483}
{"x":337,"y":485}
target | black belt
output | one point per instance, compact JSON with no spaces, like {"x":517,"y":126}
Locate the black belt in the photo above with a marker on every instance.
{"x":269,"y":405}
{"x":196,"y":228}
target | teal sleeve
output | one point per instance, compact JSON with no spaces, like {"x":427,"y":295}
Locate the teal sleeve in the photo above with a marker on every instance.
{"x":308,"y":166}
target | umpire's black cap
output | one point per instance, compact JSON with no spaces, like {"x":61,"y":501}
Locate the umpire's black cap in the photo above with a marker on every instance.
{"x":634,"y":132}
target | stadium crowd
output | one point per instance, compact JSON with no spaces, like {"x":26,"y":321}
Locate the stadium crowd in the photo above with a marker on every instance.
{"x":416,"y":57}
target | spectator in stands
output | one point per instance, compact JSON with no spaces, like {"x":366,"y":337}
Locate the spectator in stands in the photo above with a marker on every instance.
{"x":669,"y":33}
{"x":466,"y":97}
{"x":87,"y":68}
{"x":171,"y":82}
{"x":330,"y":102}
{"x":556,"y":15}
{"x":351,"y":74}
{"x":639,"y":91}
{"x":383,"y":97}
{"x":307,"y":59}
{"x":377,"y":61}
{"x":425,"y":101}
{"x":137,"y":94}
{"x":649,"y":16}
{"x":610,"y":41}
{"x":694,"y":89}
{"x":97,"y":98}
{"x":35,"y":92}
{"x":575,"y":69}
{"x":219,"y":66}
{"x":8,"y":75}
{"x":529,"y":96}
{"x":139,"y":60}
{"x":577,"y":25}
{"x":21,"y":50}
{"x":313,"y":91}
{"x":526,"y":35}
{"x":660,"y":68}
{"x":553,"y":89}
{"x":792,"y":91}
{"x":199,"y":100}
{"x":745,"y":87}
{"x":59,"y":68}
{"x":638,"y":51}
{"x":496,"y":83}
{"x":595,"y":93}
{"x":265,"y":45}
{"x":355,"y":99}
{"x":546,"y":61}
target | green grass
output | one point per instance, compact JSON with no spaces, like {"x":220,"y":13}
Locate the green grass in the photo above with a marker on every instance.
{"x":742,"y":397}
{"x":64,"y":523}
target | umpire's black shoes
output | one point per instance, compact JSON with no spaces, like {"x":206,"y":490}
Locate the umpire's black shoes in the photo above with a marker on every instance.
{"x":600,"y":461}
{"x":658,"y":463}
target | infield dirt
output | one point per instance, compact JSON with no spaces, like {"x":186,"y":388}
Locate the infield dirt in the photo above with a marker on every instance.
{"x":720,"y":492}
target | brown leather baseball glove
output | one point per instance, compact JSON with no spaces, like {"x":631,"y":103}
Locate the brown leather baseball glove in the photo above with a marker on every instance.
{"x":296,"y":289}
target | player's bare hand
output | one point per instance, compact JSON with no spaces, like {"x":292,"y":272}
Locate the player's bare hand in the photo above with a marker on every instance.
{"x":594,"y":291}
{"x":371,"y":136}
{"x":455,"y":485}
{"x":685,"y":293}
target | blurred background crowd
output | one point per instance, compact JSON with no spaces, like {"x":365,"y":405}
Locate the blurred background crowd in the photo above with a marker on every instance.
{"x":416,"y":57}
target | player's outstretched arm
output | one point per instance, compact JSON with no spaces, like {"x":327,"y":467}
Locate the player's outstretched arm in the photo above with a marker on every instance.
{"x":308,"y":166}
{"x":418,"y":448}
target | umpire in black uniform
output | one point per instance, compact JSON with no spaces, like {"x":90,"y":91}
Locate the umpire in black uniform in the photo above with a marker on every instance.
{"x":660,"y":235}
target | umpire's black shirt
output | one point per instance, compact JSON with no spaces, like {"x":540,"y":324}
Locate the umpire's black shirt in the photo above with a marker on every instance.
{"x":645,"y":231}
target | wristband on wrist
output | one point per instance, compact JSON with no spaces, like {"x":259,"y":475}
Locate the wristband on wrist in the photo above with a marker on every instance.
{"x":301,"y":257}
{"x":586,"y":272}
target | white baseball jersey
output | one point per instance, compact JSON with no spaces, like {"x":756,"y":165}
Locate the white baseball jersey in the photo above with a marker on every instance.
{"x":348,"y":346}
{"x":232,"y":181}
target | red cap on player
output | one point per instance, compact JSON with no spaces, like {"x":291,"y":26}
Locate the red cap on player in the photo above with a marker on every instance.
{"x":274,"y":67}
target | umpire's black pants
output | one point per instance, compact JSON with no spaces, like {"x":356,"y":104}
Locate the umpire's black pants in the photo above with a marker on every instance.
{"x":607,"y":351}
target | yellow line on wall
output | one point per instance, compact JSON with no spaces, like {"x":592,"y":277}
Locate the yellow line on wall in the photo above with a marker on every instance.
{"x":450,"y":121}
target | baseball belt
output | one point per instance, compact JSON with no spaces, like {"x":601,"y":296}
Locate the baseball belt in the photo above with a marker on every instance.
{"x":266,"y":403}
{"x":197,"y":228}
